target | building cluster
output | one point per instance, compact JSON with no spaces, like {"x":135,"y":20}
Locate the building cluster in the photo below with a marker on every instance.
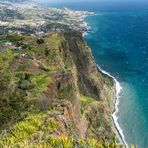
{"x":37,"y":17}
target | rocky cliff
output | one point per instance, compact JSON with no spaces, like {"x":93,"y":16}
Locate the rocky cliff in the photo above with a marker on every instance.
{"x":51,"y":88}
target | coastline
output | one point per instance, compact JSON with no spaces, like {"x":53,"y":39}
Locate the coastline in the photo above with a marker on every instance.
{"x":118,"y":88}
{"x":88,"y":28}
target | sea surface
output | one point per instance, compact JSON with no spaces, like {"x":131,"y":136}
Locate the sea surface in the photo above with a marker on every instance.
{"x":119,"y":42}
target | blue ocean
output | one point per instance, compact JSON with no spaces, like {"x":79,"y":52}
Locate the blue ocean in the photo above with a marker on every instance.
{"x":119,"y":42}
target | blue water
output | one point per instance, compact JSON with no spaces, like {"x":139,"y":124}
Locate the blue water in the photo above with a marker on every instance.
{"x":119,"y":42}
{"x":120,"y":45}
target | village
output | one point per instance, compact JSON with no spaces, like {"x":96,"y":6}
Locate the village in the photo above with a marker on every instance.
{"x":34,"y":19}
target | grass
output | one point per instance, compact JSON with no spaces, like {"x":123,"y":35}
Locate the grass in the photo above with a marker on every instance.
{"x":35,"y":126}
{"x":56,"y":37}
{"x":41,"y":82}
{"x":39,"y":51}
{"x":13,"y":38}
{"x":2,"y":42}
{"x":6,"y":58}
{"x":86,"y":101}
{"x":21,"y":68}
{"x":54,"y":41}
{"x":61,"y":142}
{"x":23,"y":130}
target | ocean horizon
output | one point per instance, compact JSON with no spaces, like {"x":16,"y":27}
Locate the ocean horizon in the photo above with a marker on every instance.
{"x":119,"y":42}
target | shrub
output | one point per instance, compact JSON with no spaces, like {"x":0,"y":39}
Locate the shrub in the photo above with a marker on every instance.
{"x":24,"y":46}
{"x":18,"y":44}
{"x":40,"y":41}
{"x":13,"y":38}
{"x":46,"y":52}
{"x":25,"y":84}
{"x":27,"y":76}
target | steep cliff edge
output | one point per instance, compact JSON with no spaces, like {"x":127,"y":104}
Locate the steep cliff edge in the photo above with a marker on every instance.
{"x":52,"y":88}
{"x":95,"y":88}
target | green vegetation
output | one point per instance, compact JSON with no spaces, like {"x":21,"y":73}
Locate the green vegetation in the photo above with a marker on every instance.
{"x":6,"y":58}
{"x":41,"y":82}
{"x":86,"y":101}
{"x":56,"y":38}
{"x":16,"y":80}
{"x":34,"y":131}
{"x":40,"y":41}
{"x":13,"y":38}
{"x":50,"y":97}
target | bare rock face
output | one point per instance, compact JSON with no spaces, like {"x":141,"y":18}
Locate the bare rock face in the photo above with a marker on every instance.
{"x":85,"y":65}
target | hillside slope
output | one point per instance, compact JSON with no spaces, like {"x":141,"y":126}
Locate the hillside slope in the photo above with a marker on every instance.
{"x":51,"y":88}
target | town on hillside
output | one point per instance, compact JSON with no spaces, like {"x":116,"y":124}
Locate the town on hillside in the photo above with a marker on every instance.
{"x":32,"y":18}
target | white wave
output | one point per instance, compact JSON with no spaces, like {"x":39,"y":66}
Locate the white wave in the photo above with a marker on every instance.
{"x":114,"y":115}
{"x":85,"y":34}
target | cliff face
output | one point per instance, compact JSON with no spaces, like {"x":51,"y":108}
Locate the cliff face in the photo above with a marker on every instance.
{"x":94,"y":88}
{"x":54,"y":80}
